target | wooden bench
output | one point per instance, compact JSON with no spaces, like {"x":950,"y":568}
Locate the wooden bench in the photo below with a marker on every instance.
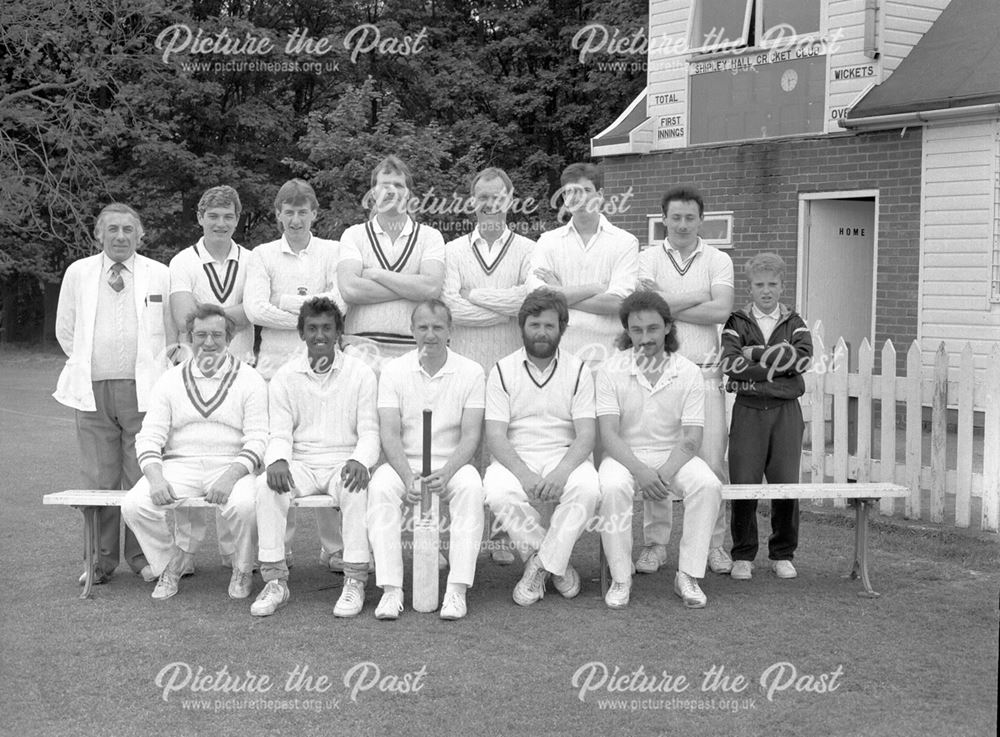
{"x":90,"y":501}
{"x":860,"y":496}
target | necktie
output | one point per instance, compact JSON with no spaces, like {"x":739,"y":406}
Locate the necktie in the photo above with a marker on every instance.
{"x":116,"y":280}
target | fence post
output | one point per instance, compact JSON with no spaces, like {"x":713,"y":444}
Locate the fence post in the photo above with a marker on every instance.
{"x":913,"y":430}
{"x":817,"y":429}
{"x":991,"y":442}
{"x":966,"y":402}
{"x":887,"y":447}
{"x":866,"y":361}
{"x":939,"y":434}
{"x":840,"y":424}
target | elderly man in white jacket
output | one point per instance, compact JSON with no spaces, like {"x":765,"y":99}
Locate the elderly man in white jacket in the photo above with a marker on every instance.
{"x":114,"y":325}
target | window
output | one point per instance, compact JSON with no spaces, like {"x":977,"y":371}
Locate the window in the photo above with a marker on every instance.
{"x":722,"y":26}
{"x":716,"y":229}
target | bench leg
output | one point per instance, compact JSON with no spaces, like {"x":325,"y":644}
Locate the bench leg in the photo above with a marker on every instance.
{"x":91,"y":545}
{"x":860,"y":567}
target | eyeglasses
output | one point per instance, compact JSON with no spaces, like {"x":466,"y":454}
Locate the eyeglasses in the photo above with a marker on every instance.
{"x":203,"y":335}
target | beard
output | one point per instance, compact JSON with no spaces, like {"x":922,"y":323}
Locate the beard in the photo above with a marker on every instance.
{"x":540,"y":349}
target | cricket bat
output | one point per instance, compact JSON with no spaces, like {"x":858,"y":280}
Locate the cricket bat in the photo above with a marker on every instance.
{"x":425,"y":536}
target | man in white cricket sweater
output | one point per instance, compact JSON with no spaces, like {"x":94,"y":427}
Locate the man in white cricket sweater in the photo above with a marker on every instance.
{"x":591,"y":262}
{"x":203,"y":436}
{"x":485,"y":282}
{"x":214,"y":271}
{"x":282,"y":276}
{"x":452,"y":387}
{"x":323,"y":440}
{"x":486,"y":274}
{"x":113,"y":325}
{"x":540,"y":428}
{"x":696,"y":280}
{"x":650,"y":411}
{"x":388,"y":264}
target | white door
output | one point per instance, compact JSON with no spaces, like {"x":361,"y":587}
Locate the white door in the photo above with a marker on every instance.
{"x":839,"y":268}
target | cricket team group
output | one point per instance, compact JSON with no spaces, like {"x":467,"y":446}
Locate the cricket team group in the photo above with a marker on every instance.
{"x":575,"y":370}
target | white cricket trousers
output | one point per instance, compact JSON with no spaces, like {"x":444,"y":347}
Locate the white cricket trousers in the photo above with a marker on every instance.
{"x":190,"y":478}
{"x":272,"y":511}
{"x":522,"y":522}
{"x":695,"y":483}
{"x":464,"y":496}
{"x":658,"y":515}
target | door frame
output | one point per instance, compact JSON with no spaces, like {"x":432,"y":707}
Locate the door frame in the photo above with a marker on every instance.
{"x":802,"y":260}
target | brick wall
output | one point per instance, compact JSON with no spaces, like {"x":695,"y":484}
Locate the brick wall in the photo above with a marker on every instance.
{"x":761,"y":183}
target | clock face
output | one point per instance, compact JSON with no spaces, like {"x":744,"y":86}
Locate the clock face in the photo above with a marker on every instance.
{"x":789,"y":79}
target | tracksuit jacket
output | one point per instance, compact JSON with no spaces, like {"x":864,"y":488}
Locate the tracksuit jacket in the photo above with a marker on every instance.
{"x":774,"y":374}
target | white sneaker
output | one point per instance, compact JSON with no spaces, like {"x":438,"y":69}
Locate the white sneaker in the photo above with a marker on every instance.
{"x":352,"y":599}
{"x":742,"y":570}
{"x":687,"y":588}
{"x":651,"y":558}
{"x":453,"y":606}
{"x":147,"y":574}
{"x":390,"y":605}
{"x":167,"y":585}
{"x":272,"y":597}
{"x":618,"y":595}
{"x":240,"y":584}
{"x":784,"y":569}
{"x":719,"y":561}
{"x":567,"y":584}
{"x":531,"y":587}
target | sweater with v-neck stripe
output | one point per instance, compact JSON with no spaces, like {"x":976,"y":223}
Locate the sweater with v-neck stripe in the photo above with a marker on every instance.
{"x":191,"y":415}
{"x":496,"y":278}
{"x":388,"y":323}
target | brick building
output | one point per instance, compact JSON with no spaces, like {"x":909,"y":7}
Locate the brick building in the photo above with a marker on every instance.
{"x":859,"y":140}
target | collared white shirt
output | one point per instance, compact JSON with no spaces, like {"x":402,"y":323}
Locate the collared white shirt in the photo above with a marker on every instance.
{"x":405,"y":385}
{"x":610,"y":258}
{"x":538,"y":407}
{"x":195,"y":271}
{"x":767,"y":321}
{"x":704,"y":268}
{"x":651,"y":417}
{"x":323,"y":419}
{"x":279,"y":280}
{"x":116,"y":325}
{"x":489,"y":252}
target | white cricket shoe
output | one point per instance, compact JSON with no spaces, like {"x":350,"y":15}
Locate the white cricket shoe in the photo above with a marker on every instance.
{"x":567,"y":584}
{"x":742,"y":570}
{"x":784,"y":569}
{"x":272,"y":597}
{"x":240,"y":584}
{"x":167,"y":585}
{"x":352,"y":599}
{"x":531,"y":587}
{"x":618,"y":594}
{"x":651,"y":558}
{"x":390,"y":605}
{"x":719,"y":561}
{"x":453,"y":606}
{"x":687,"y":588}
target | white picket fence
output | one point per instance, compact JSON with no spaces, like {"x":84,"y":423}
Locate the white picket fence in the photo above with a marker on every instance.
{"x":830,"y":386}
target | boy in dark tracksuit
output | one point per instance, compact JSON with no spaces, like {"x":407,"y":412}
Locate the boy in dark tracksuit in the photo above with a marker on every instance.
{"x":765,"y":349}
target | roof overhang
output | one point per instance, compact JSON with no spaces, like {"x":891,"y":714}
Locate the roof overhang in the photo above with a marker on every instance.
{"x":630,"y":133}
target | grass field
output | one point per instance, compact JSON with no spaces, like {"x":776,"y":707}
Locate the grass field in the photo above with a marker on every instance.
{"x":922,"y":660}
